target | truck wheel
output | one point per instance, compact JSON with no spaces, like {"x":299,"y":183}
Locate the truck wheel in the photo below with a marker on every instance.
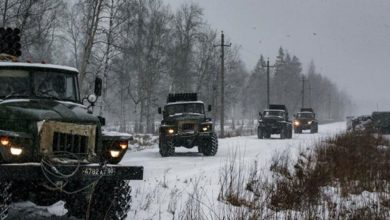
{"x":260,"y":134}
{"x":289,"y":132}
{"x":110,"y":200}
{"x":5,"y":199}
{"x":210,"y":147}
{"x":283,"y":133}
{"x":267,"y":135}
{"x":166,"y":147}
{"x":314,"y":129}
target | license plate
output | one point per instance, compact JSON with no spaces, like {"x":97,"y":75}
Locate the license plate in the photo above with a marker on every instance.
{"x":95,"y":171}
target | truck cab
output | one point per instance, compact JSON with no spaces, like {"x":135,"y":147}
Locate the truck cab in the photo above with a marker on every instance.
{"x":274,"y":120}
{"x":305,"y":119}
{"x":52,"y":144}
{"x":185,"y":124}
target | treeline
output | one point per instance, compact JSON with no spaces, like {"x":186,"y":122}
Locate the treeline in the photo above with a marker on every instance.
{"x":287,"y":81}
{"x":143,"y":50}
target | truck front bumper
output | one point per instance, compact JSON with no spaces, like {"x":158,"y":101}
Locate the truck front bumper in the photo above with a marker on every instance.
{"x":83,"y":172}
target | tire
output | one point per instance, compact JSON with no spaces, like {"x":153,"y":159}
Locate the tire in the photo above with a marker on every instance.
{"x":283,"y":133}
{"x":166,"y":147}
{"x":210,"y":147}
{"x":110,"y":200}
{"x":314,"y":129}
{"x":5,"y":199}
{"x":267,"y":135}
{"x":289,"y":133}
{"x":260,"y":134}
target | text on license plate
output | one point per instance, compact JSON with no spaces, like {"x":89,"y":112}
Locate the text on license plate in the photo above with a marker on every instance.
{"x":94,"y":171}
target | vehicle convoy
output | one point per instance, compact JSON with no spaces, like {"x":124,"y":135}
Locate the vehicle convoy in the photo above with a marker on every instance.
{"x":274,"y":120}
{"x":52,"y":147}
{"x":305,"y":120}
{"x":185,"y":124}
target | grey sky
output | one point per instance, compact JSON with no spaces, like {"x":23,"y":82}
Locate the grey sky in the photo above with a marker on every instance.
{"x":349,"y":40}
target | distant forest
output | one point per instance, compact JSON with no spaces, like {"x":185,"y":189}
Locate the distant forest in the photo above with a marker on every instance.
{"x":143,"y":50}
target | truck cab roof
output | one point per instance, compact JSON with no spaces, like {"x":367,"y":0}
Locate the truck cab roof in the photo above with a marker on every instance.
{"x":37,"y":65}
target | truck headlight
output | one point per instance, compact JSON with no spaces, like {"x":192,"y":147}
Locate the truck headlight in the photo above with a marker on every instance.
{"x":204,"y":128}
{"x":310,"y":122}
{"x":16,"y":151}
{"x":123,"y":145}
{"x":4,"y":140}
{"x":296,"y":123}
{"x":171,"y":131}
{"x":114,"y":153}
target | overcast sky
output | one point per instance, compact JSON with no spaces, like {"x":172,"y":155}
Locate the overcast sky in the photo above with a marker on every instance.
{"x":349,"y":40}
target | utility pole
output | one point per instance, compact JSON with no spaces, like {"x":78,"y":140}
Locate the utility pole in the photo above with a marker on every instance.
{"x":310,"y":95}
{"x":303,"y":92}
{"x":222,"y":116}
{"x":268,"y":83}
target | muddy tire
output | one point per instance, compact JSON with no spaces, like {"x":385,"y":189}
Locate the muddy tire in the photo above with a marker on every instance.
{"x":166,"y":147}
{"x":5,"y":199}
{"x":210,"y":147}
{"x":110,"y":200}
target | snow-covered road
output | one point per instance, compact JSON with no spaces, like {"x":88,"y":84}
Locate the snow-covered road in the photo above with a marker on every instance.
{"x":168,"y":182}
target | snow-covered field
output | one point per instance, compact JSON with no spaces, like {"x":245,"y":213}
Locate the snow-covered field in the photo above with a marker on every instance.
{"x":169,"y":183}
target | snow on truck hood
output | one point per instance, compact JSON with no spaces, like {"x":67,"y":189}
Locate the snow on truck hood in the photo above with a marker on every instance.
{"x":38,"y":65}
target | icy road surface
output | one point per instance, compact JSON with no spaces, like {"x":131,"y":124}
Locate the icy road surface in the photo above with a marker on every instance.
{"x":169,"y":182}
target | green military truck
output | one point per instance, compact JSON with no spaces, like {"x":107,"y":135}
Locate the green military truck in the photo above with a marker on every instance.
{"x":274,"y":120}
{"x":305,"y":119}
{"x":52,"y":147}
{"x":185,"y":124}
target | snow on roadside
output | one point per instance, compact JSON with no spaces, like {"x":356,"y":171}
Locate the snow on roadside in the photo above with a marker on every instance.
{"x":172,"y":185}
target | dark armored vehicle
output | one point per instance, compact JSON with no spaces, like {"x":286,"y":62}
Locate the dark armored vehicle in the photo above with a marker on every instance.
{"x":305,"y":120}
{"x":274,"y":120}
{"x":52,"y":148}
{"x":185,"y":124}
{"x":380,"y":122}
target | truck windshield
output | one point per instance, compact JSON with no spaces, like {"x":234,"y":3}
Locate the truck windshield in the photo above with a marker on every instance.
{"x":305,"y":115}
{"x":185,"y":108}
{"x":47,"y":83}
{"x":273,"y":113}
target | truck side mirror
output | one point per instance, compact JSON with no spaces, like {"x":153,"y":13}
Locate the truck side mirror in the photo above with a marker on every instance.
{"x":209,"y":108}
{"x":102,"y":120}
{"x":98,"y":86}
{"x":159,"y":110}
{"x":261,"y":115}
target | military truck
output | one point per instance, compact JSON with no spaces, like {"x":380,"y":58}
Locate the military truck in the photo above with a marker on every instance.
{"x":274,"y":120}
{"x":305,"y":119}
{"x":52,"y":147}
{"x":380,"y":122}
{"x":185,"y":124}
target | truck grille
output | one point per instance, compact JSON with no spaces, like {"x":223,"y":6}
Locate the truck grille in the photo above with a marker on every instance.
{"x":67,"y":137}
{"x":188,"y":127}
{"x":70,"y":143}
